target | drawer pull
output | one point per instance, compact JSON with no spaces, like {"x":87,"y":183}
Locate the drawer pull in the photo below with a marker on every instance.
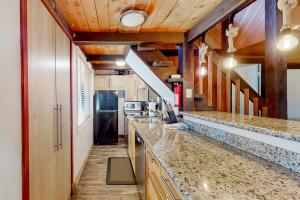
{"x":153,"y":177}
{"x":165,"y":183}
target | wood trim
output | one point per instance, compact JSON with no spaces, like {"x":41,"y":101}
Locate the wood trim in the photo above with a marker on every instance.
{"x":255,"y":107}
{"x":24,"y":96}
{"x":222,"y":11}
{"x":91,"y":58}
{"x":228,"y":91}
{"x":71,"y":110}
{"x":58,"y":16}
{"x":237,"y":95}
{"x":246,"y":101}
{"x":82,"y":38}
{"x":293,"y":66}
{"x":109,"y":67}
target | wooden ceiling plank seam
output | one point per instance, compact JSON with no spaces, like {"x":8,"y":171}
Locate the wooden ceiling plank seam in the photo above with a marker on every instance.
{"x":102,"y":9}
{"x":65,"y":8}
{"x":162,"y":14}
{"x":84,"y":14}
{"x":178,"y":16}
{"x":90,"y":13}
{"x":140,"y":4}
{"x":199,"y":14}
{"x":151,"y":15}
{"x":114,"y":15}
{"x":76,"y":9}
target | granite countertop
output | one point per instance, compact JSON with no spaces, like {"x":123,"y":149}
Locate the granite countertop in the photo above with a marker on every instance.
{"x":203,"y":168}
{"x":287,"y":129}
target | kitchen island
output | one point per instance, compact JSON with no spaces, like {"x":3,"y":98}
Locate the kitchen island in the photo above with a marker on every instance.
{"x":204,"y":168}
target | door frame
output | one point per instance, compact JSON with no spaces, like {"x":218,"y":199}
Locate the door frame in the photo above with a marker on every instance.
{"x":24,"y":98}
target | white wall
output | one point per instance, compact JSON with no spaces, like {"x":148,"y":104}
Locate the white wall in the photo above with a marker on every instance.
{"x":293,"y":79}
{"x":83,"y":135}
{"x":10,"y":102}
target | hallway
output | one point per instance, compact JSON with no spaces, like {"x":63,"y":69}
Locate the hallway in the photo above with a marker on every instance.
{"x":92,"y":185}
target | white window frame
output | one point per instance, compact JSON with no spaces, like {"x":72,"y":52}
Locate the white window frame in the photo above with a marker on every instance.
{"x":84,"y":86}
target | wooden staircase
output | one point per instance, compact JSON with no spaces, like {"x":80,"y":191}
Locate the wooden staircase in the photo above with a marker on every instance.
{"x":215,"y":90}
{"x":161,"y":65}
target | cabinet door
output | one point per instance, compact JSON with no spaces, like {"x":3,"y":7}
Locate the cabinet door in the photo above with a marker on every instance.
{"x":118,"y":82}
{"x":41,"y":92}
{"x":63,"y":174}
{"x":102,"y":82}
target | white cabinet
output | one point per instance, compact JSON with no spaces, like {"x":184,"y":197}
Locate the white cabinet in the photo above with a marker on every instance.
{"x":130,"y":83}
{"x":102,"y":82}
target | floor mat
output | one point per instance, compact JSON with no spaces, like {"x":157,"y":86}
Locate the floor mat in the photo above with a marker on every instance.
{"x":119,"y":171}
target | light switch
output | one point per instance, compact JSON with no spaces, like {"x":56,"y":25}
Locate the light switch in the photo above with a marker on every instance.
{"x":189,"y":93}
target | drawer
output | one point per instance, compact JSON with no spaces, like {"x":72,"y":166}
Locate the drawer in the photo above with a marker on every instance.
{"x":152,"y":162}
{"x":170,"y":189}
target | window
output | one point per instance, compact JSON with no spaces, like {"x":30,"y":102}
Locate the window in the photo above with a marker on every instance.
{"x":84,"y":91}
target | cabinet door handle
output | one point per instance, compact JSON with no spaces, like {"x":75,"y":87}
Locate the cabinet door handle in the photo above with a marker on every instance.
{"x":165,"y":182}
{"x":56,"y":110}
{"x":60,"y":128}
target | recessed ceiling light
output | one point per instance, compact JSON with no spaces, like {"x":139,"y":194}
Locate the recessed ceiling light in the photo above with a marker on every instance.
{"x":120,"y":63}
{"x":133,"y":18}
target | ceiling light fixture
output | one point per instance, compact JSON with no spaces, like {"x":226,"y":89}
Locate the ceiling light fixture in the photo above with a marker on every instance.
{"x":133,"y":18}
{"x":120,"y":63}
{"x":287,"y":41}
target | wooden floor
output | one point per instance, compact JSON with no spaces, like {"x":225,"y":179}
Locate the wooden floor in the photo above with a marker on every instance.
{"x":92,"y":184}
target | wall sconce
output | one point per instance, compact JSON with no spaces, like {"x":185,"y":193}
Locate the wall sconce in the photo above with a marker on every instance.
{"x":202,"y":61}
{"x":287,"y":41}
{"x":230,"y":62}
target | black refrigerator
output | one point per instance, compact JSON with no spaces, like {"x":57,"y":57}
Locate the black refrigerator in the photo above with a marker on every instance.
{"x":106,"y":117}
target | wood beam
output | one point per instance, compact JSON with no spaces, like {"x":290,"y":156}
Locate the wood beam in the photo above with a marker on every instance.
{"x":94,"y":58}
{"x":82,"y":38}
{"x":275,"y":69}
{"x":256,"y":106}
{"x":221,"y":87}
{"x":212,"y":81}
{"x":222,"y":11}
{"x":246,"y":101}
{"x":59,"y":17}
{"x":109,"y":67}
{"x":293,"y":66}
{"x":237,"y":95}
{"x":228,"y":91}
{"x":188,"y":77}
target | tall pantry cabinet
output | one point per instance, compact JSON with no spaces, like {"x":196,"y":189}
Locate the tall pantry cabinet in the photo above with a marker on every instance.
{"x":49,"y":106}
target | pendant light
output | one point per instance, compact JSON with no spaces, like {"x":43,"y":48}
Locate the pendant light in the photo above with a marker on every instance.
{"x":202,"y":62}
{"x":286,"y":40}
{"x":230,"y":62}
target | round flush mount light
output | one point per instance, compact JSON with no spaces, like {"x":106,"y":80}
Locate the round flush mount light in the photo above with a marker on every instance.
{"x":133,"y":18}
{"x":120,"y":63}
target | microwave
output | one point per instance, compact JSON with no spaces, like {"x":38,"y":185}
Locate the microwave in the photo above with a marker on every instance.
{"x":133,"y":105}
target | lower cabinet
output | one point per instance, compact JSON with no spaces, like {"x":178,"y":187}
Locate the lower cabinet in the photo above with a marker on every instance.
{"x":131,"y":145}
{"x":158,"y":183}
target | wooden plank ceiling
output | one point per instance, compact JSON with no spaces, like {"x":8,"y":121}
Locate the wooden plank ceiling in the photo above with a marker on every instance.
{"x":163,"y":15}
{"x":104,"y":49}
